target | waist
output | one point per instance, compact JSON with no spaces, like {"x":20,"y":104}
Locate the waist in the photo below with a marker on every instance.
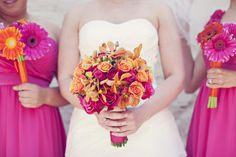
{"x":14,"y":79}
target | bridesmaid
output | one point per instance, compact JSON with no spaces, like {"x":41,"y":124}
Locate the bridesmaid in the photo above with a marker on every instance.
{"x":213,"y":131}
{"x":30,"y":122}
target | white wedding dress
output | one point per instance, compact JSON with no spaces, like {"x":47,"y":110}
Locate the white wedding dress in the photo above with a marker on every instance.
{"x":157,"y":137}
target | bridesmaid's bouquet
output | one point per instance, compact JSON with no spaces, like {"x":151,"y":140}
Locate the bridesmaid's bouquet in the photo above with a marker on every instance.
{"x":22,"y":41}
{"x":218,"y":42}
{"x":112,"y":77}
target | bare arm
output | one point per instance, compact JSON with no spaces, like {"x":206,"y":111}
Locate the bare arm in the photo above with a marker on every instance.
{"x":172,"y":63}
{"x":195,"y":69}
{"x":68,"y":56}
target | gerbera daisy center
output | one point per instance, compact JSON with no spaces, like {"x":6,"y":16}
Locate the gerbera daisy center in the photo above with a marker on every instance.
{"x":11,"y":43}
{"x":220,"y":45}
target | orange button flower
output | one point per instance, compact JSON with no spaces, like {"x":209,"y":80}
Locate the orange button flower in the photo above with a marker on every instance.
{"x":136,"y":89}
{"x":142,"y":76}
{"x":125,"y":65}
{"x":10,"y":44}
{"x":104,"y":66}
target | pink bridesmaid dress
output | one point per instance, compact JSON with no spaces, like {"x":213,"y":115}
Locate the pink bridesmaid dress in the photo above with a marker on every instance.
{"x":29,"y":132}
{"x":213,"y":131}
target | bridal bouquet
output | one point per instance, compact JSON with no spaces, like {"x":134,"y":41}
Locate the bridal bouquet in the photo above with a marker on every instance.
{"x":218,"y":42}
{"x":23,"y":41}
{"x":112,"y":77}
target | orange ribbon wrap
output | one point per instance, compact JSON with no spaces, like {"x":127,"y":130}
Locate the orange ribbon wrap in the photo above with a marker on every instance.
{"x":212,"y":101}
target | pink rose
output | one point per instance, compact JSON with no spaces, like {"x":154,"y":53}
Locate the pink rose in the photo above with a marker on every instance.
{"x":89,"y":107}
{"x":99,"y":74}
{"x":111,"y":74}
{"x":149,"y":90}
{"x":112,"y":100}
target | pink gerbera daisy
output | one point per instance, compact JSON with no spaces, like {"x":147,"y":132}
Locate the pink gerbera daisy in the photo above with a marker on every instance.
{"x":231,"y":29}
{"x":1,"y":26}
{"x":36,"y":41}
{"x":220,"y":48}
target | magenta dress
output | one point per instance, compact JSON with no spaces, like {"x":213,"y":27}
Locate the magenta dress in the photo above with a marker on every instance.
{"x":213,"y":131}
{"x":29,"y":132}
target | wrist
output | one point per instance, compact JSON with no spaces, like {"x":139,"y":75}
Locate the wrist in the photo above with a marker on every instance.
{"x":46,"y":95}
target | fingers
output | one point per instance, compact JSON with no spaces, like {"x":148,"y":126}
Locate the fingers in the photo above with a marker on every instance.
{"x":25,"y":100}
{"x":114,"y":115}
{"x":122,"y":134}
{"x":215,"y":71}
{"x":24,"y":94}
{"x":23,"y":87}
{"x":112,"y":123}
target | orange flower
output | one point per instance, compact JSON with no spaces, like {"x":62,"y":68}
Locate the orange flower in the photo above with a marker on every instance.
{"x":104,"y":66}
{"x":78,"y":70}
{"x":210,"y":31}
{"x":10,"y":44}
{"x":77,"y":86}
{"x":136,"y":89}
{"x":142,"y":76}
{"x":125,"y":65}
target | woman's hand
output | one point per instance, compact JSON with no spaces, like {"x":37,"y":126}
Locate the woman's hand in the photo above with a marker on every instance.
{"x":31,"y":95}
{"x":121,"y":123}
{"x":221,"y":78}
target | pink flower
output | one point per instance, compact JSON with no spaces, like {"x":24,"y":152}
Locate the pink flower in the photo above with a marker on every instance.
{"x":149,"y":90}
{"x":231,"y":29}
{"x":112,"y":100}
{"x":36,"y":40}
{"x":220,"y":48}
{"x":1,"y":26}
{"x":132,"y":78}
{"x":89,"y":107}
{"x":99,"y":74}
{"x":111,"y":74}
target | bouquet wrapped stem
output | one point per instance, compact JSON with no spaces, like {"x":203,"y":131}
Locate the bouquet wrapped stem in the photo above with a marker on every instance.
{"x":118,"y":141}
{"x":22,"y":69}
{"x":212,"y":101}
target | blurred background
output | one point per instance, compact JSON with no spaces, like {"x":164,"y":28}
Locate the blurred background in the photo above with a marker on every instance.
{"x":199,"y":12}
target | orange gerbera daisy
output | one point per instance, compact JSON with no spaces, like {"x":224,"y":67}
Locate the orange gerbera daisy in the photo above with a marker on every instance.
{"x":209,"y":32}
{"x":10,"y":44}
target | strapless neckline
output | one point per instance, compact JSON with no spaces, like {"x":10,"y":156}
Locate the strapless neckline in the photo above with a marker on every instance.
{"x":118,"y":24}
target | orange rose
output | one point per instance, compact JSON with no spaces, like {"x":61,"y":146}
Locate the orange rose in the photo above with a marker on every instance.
{"x":142,"y":76}
{"x":104,"y":66}
{"x":77,"y":86}
{"x":136,"y":89}
{"x":125,"y":65}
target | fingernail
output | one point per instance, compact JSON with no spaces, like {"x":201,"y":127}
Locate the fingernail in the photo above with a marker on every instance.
{"x":14,"y":88}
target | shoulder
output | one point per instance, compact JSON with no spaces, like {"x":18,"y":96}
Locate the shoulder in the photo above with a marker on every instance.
{"x":52,"y":29}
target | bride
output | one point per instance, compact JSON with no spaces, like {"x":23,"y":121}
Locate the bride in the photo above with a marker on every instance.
{"x":151,"y":127}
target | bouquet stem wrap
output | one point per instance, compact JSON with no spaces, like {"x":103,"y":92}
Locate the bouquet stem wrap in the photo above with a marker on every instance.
{"x":22,"y":69}
{"x":118,"y":141}
{"x":212,"y":101}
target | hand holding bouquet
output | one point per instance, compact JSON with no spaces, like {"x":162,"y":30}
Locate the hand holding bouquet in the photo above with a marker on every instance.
{"x":112,"y":77}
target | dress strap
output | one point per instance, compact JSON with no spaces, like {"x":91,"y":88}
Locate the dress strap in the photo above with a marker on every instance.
{"x":216,"y":16}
